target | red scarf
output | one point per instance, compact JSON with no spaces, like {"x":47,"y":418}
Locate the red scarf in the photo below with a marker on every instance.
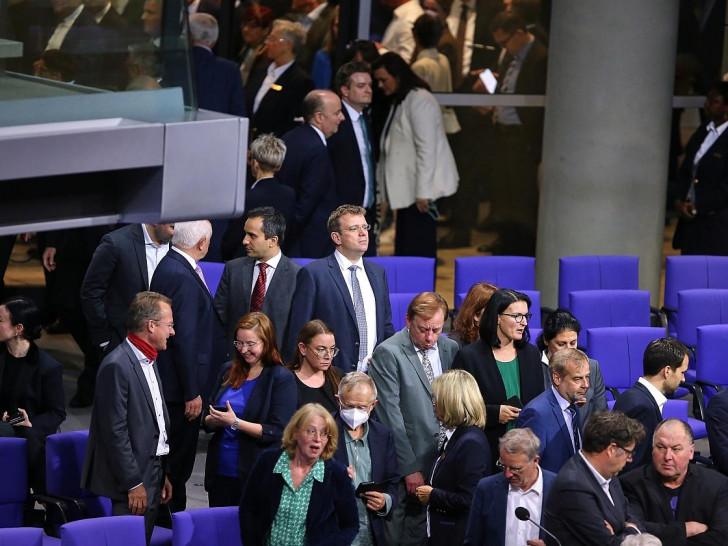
{"x":146,"y":349}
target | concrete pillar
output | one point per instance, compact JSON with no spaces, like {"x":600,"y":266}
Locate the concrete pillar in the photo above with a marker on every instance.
{"x":606,"y":135}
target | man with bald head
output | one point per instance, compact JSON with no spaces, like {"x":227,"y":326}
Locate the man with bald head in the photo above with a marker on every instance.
{"x":307,"y":169}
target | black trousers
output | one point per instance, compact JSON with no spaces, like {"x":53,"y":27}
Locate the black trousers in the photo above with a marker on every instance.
{"x":182,"y":436}
{"x":224,"y":491}
{"x":416,"y":233}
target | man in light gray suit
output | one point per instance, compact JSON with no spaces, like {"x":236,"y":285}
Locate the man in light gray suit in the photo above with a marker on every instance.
{"x":403,"y":368}
{"x":127,"y":444}
{"x":245,"y":287}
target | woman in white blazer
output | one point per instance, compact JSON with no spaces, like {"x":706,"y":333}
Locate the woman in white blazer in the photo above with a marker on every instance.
{"x":416,"y":165}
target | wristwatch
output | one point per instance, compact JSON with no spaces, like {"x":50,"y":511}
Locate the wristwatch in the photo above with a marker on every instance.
{"x":234,"y":426}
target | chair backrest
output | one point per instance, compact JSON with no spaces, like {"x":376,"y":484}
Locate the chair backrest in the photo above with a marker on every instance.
{"x":399,"y":302}
{"x":208,"y":526}
{"x":596,"y":273}
{"x":65,"y":452}
{"x":699,"y":307}
{"x":21,"y":536}
{"x":711,"y":357}
{"x":408,"y":273}
{"x":619,"y":352}
{"x":609,"y":308}
{"x":303,"y":262}
{"x":107,"y":531}
{"x":213,"y":273}
{"x":516,"y":272}
{"x":535,"y":333}
{"x":14,"y":490}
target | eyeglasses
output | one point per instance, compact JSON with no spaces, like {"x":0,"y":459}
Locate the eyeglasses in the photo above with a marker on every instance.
{"x":512,"y":469}
{"x":169,"y":325}
{"x":518,"y":317}
{"x":323,"y":352}
{"x":312,"y":433}
{"x":356,"y":229}
{"x":629,"y":452}
{"x":503,"y":43}
{"x":248,"y":345}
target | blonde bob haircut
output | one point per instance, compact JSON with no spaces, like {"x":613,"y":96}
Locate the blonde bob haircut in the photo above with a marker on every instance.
{"x":458,"y":399}
{"x":300,"y":420}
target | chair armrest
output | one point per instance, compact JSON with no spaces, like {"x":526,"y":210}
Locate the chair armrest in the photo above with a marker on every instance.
{"x":698,"y":400}
{"x":613,"y":391}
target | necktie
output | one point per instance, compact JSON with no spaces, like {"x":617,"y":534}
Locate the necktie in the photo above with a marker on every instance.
{"x":369,"y":197}
{"x":427,"y":365}
{"x":361,"y":319}
{"x":256,"y":301}
{"x":200,"y":274}
{"x":457,"y":75}
{"x":575,"y":425}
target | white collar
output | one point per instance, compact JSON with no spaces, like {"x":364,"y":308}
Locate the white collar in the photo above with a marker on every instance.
{"x":273,"y":262}
{"x":319,"y":132}
{"x":656,"y":394}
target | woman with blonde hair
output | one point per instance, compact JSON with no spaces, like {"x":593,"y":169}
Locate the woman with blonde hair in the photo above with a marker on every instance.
{"x":466,"y":328}
{"x":464,"y":459}
{"x":299,"y":494}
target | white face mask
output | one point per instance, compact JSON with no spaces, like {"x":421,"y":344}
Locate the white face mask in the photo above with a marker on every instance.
{"x":354,"y":417}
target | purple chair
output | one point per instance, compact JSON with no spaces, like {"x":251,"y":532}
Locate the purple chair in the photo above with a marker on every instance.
{"x":711,"y":371}
{"x":700,"y":307}
{"x":21,"y":536}
{"x":535,"y":333}
{"x":206,"y":527}
{"x":688,"y":273}
{"x":14,"y":490}
{"x":535,"y":308}
{"x":609,"y":308}
{"x":516,"y":272}
{"x":399,"y":302}
{"x":108,"y":531}
{"x":213,"y":273}
{"x":596,"y":273}
{"x":679,"y":409}
{"x":408,"y":273}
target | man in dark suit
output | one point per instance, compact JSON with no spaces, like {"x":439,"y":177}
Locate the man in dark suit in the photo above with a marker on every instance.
{"x":403,"y":368}
{"x":275,"y":100}
{"x":703,"y":207}
{"x":586,"y":505}
{"x":219,"y":84}
{"x":128,"y":436}
{"x":266,"y":157}
{"x":663,"y":366}
{"x":245,"y":287}
{"x":122,"y":266}
{"x":366,"y":447}
{"x":308,"y":170}
{"x":351,"y":148}
{"x":190,"y":367}
{"x":717,"y":431}
{"x":523,"y":483}
{"x":679,"y":502}
{"x":553,"y":415}
{"x":346,"y":292}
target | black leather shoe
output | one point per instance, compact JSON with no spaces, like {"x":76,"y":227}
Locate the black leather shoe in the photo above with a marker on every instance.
{"x":81,"y":400}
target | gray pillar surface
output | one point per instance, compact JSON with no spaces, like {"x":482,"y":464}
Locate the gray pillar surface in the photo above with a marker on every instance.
{"x":606,"y":135}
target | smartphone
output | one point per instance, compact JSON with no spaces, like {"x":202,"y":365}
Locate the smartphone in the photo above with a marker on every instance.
{"x":365,"y":487}
{"x":15,"y":419}
{"x":515,"y":402}
{"x":220,"y":408}
{"x":489,"y":80}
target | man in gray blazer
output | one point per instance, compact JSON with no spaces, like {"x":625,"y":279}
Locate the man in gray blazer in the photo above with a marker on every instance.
{"x":237,"y":293}
{"x":403,"y":368}
{"x":127,"y":444}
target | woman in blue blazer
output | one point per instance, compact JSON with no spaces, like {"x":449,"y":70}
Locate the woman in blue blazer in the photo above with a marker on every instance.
{"x":463,"y":460}
{"x":253,"y":403}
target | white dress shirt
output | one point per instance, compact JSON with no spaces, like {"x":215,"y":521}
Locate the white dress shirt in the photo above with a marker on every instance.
{"x":271,"y":77}
{"x":398,"y":36}
{"x":453,"y":22}
{"x":517,"y":531}
{"x":269,"y":271}
{"x":56,"y":39}
{"x":656,"y":394}
{"x":361,"y":142}
{"x":154,"y":253}
{"x":564,"y":404}
{"x":320,"y":133}
{"x":710,"y":138}
{"x":434,"y":356}
{"x":601,"y":480}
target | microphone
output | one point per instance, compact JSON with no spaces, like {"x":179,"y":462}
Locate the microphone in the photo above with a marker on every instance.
{"x":524,"y":515}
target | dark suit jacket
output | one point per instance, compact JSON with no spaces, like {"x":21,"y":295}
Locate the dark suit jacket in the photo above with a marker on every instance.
{"x":279,"y":108}
{"x":332,"y":517}
{"x":307,"y":169}
{"x":637,"y":403}
{"x":717,"y":431}
{"x":38,"y":390}
{"x":219,"y":84}
{"x":384,"y":468}
{"x":703,"y":498}
{"x":465,"y":461}
{"x":266,"y":192}
{"x":596,"y":397}
{"x":123,"y":434}
{"x":315,"y":37}
{"x":346,"y":160}
{"x":194,"y":355}
{"x":487,"y":521}
{"x":577,"y":508}
{"x":477,"y":358}
{"x":704,"y":234}
{"x":272,"y":402}
{"x":117,"y":272}
{"x":232,"y":299}
{"x":321,"y":293}
{"x":544,"y":417}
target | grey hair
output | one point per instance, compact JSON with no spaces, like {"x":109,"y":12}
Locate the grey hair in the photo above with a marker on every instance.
{"x":354,"y":380}
{"x":293,"y":32}
{"x":645,"y":539}
{"x":204,"y":28}
{"x":520,"y":440}
{"x":188,"y":234}
{"x":560,"y":359}
{"x":269,"y":151}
